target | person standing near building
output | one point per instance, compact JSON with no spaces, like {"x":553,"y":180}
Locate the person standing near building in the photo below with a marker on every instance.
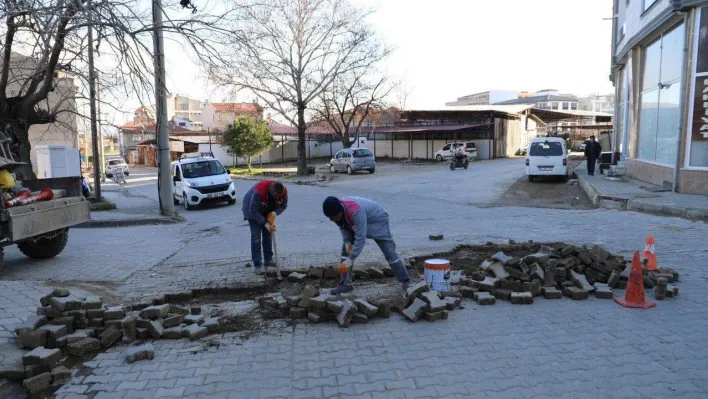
{"x":261,"y":204}
{"x":592,"y":154}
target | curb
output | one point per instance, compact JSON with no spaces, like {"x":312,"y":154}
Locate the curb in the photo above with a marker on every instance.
{"x":638,"y":206}
{"x":124,"y":223}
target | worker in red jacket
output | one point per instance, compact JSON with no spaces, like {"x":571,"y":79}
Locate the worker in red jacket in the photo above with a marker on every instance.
{"x":261,"y":204}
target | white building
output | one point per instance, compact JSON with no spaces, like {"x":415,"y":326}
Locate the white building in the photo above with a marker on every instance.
{"x":485,"y":98}
{"x":598,"y":103}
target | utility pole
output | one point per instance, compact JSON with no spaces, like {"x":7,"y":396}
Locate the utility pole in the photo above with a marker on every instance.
{"x":102,"y":148}
{"x":209,"y":132}
{"x":92,"y":106}
{"x":164,"y":183}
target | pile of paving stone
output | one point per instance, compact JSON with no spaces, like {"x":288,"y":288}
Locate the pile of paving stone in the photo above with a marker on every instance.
{"x":571,"y":271}
{"x":67,"y":325}
{"x":330,"y":273}
{"x":345,"y":309}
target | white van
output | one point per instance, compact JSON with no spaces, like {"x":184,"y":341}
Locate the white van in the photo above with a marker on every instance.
{"x":547,"y":156}
{"x":201,"y":180}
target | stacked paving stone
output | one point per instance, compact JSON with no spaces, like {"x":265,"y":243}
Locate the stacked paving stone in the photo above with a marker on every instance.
{"x":330,"y":273}
{"x":571,"y":271}
{"x":68,"y":325}
{"x":318,"y":307}
{"x":420,"y":301}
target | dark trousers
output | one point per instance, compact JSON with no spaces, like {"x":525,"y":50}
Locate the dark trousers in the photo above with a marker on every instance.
{"x":260,"y":236}
{"x":591,"y":166}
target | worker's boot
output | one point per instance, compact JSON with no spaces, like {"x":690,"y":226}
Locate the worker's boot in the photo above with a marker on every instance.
{"x":405,"y":285}
{"x":345,"y":284}
{"x":259,"y":269}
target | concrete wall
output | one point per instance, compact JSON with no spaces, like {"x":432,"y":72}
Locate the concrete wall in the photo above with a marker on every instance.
{"x":649,"y":172}
{"x":635,"y":19}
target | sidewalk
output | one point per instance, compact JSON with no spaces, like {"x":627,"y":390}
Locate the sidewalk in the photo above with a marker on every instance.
{"x":632,"y":195}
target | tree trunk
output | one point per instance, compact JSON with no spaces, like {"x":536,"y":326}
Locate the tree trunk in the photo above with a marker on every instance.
{"x":345,"y":139}
{"x":21,"y":149}
{"x":248,"y":159}
{"x":301,"y":148}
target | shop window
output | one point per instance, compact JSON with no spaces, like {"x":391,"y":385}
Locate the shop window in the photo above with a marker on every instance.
{"x":659,"y":111}
{"x":698,"y":156}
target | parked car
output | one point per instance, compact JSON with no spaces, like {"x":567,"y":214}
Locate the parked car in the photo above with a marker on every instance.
{"x":351,"y":160}
{"x":201,"y":180}
{"x":547,"y":157}
{"x":447,"y":150}
{"x":114,"y":163}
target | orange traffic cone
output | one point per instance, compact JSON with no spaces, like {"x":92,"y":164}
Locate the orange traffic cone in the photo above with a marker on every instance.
{"x":634,"y":296}
{"x":650,"y":253}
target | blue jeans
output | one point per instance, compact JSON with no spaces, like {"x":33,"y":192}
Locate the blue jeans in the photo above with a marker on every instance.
{"x":388,"y":247}
{"x":260,"y":234}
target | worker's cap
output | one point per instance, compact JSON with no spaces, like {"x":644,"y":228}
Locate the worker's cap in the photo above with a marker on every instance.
{"x":332,"y":207}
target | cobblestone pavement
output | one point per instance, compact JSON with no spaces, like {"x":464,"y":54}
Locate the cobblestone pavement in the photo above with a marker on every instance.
{"x":558,"y":348}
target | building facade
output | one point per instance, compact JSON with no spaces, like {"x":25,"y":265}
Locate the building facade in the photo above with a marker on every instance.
{"x":598,"y":103}
{"x":217,"y":116}
{"x":485,"y":98}
{"x":660,"y":73}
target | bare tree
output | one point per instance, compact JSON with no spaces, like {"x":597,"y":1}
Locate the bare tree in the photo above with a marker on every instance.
{"x":346,"y":105}
{"x":403,"y":91}
{"x":289,"y":51}
{"x":44,"y":40}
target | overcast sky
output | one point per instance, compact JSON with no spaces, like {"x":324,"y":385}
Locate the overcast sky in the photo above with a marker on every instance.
{"x":445,"y":49}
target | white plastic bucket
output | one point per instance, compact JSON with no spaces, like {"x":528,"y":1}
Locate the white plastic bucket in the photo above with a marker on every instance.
{"x":437,"y":274}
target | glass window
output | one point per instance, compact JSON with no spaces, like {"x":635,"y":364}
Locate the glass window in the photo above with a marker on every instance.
{"x":546,"y":148}
{"x":362,"y":153}
{"x":554,"y":105}
{"x":202,"y":169}
{"x":574,"y":106}
{"x":566,"y":106}
{"x":667,"y":131}
{"x":652,"y":59}
{"x":648,"y":124}
{"x":671,"y":51}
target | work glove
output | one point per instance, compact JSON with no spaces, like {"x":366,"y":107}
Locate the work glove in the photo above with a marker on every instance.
{"x":271,"y":227}
{"x":271,"y":218}
{"x":348,"y":247}
{"x":345,"y":266}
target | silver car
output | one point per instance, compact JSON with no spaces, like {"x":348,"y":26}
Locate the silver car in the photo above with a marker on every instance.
{"x":351,"y":160}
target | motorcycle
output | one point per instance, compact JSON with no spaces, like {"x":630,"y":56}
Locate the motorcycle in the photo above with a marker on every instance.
{"x":459,"y":160}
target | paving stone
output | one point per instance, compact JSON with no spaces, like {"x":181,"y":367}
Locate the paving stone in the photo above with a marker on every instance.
{"x":84,"y":346}
{"x":53,"y":343}
{"x":415,"y":290}
{"x":670,"y":288}
{"x":521,"y":298}
{"x":181,"y":296}
{"x":613,"y":279}
{"x":502,"y":294}
{"x":501,"y":257}
{"x":155,"y":329}
{"x":436,"y":237}
{"x":551,"y":293}
{"x":47,"y":311}
{"x":648,"y":283}
{"x":113,"y":323}
{"x":360,"y":274}
{"x":484,"y":298}
{"x":110,"y":336}
{"x":344,"y":317}
{"x":195,"y":309}
{"x":54,"y":331}
{"x":81,"y":324}
{"x":435,"y":316}
{"x":315,"y":272}
{"x":359,"y":318}
{"x":77,"y":314}
{"x":585,"y":258}
{"x":31,"y":339}
{"x":661,"y":288}
{"x":383,"y":306}
{"x":31,"y":323}
{"x":334,"y":306}
{"x":488,"y":284}
{"x":172,"y":333}
{"x":194,"y":331}
{"x":297,"y":312}
{"x":452,"y":303}
{"x":37,"y":383}
{"x":576,"y":293}
{"x":314,"y":317}
{"x":35,"y":369}
{"x":77,"y":336}
{"x":432,"y":298}
{"x":92,"y":303}
{"x":62,"y":304}
{"x":320,"y":301}
{"x":604,"y":293}
{"x":173,"y":320}
{"x":178,"y":310}
{"x":95,"y":323}
{"x":307,"y":293}
{"x":498,"y":269}
{"x":41,"y":356}
{"x":581,"y":282}
{"x":129,"y":327}
{"x":375,"y":273}
{"x":416,"y":309}
{"x":486,"y":264}
{"x":114,"y":313}
{"x":142,"y":333}
{"x":297,"y":277}
{"x":155,"y":312}
{"x":293,"y":300}
{"x":468,"y":292}
{"x":330,"y":273}
{"x":140,"y":352}
{"x":194,"y":319}
{"x":95,"y":313}
{"x":212,"y":324}
{"x":60,"y":375}
{"x":567,"y":251}
{"x":366,"y":308}
{"x":12,"y":366}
